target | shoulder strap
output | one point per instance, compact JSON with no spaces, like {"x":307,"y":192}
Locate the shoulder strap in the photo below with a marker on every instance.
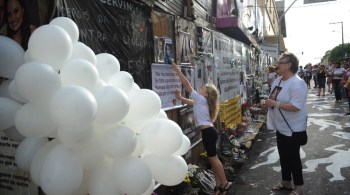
{"x":285,"y":120}
{"x":281,"y":111}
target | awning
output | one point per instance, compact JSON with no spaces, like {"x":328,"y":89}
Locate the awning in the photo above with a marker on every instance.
{"x":232,"y":27}
{"x":274,"y":39}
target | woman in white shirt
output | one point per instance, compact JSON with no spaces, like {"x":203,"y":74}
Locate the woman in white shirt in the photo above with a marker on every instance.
{"x":337,"y":77}
{"x":287,"y":114}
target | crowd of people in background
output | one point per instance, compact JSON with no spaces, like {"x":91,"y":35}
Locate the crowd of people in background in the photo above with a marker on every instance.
{"x":332,"y":78}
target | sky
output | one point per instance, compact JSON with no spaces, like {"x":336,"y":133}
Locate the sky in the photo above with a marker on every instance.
{"x":309,"y":32}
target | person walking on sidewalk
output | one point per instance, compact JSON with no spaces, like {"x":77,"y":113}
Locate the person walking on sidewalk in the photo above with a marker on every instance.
{"x":337,"y":73}
{"x":271,"y":76}
{"x":205,"y":110}
{"x":287,"y":113}
{"x":321,"y":80}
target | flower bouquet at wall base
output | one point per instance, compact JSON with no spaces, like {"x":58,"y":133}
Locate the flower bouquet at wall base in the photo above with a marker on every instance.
{"x":246,"y":112}
{"x":244,"y":108}
{"x":255,"y":110}
{"x":204,"y":162}
{"x":237,"y":130}
{"x":190,"y":185}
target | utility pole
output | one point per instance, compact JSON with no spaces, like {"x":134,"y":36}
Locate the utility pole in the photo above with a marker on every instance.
{"x":342,"y":38}
{"x":279,"y":27}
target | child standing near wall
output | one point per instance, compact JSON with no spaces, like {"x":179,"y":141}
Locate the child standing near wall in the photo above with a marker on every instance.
{"x":205,"y":110}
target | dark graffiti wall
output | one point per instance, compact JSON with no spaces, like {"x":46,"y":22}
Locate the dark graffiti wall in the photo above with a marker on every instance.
{"x":119,"y":27}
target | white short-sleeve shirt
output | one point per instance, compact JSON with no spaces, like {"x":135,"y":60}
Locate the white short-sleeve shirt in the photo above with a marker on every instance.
{"x":293,"y":91}
{"x":200,"y":110}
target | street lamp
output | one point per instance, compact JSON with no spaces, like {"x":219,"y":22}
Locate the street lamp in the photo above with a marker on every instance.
{"x":342,"y":37}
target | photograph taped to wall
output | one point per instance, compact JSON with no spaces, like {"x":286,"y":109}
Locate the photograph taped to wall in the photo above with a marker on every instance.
{"x":159,"y":44}
{"x":185,"y":47}
{"x":168,"y":53}
{"x":188,"y":71}
{"x":204,"y":41}
{"x":203,"y":70}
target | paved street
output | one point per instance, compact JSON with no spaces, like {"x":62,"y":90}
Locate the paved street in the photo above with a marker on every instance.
{"x":326,"y":157}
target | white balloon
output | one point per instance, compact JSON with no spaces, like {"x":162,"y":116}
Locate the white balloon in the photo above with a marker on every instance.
{"x":8,"y":110}
{"x":122,"y":80}
{"x":132,"y":175}
{"x":107,"y":65}
{"x":79,"y":72}
{"x":139,"y":147}
{"x":118,"y":142}
{"x":135,"y":125}
{"x":50,"y":44}
{"x":4,"y":88}
{"x":113,"y":105}
{"x":161,"y":114}
{"x":37,"y":82}
{"x":53,"y":134}
{"x":12,"y":57}
{"x":27,"y":56}
{"x":73,"y":107}
{"x":34,"y":121}
{"x":159,"y":133}
{"x":84,"y":186}
{"x":101,"y":129}
{"x":38,"y":160}
{"x":68,"y":25}
{"x":90,"y":153}
{"x":150,"y":189}
{"x":185,"y":146}
{"x":61,"y":172}
{"x":102,"y":180}
{"x":26,"y":151}
{"x":100,"y":83}
{"x":75,"y":138}
{"x":13,"y":134}
{"x":139,"y":110}
{"x":14,"y":93}
{"x":167,"y":170}
{"x":133,"y":89}
{"x":82,"y":51}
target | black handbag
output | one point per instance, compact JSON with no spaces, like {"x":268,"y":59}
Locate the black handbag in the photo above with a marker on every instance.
{"x":298,"y":137}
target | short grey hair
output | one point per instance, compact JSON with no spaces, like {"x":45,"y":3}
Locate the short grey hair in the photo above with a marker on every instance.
{"x":292,"y":59}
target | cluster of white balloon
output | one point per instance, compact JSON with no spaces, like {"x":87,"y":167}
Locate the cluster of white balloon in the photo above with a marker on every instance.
{"x":109,"y":136}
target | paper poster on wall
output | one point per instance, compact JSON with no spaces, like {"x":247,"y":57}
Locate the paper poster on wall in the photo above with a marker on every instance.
{"x":203,"y":70}
{"x":188,"y":71}
{"x":164,"y":83}
{"x":13,"y":179}
{"x":227,"y":72}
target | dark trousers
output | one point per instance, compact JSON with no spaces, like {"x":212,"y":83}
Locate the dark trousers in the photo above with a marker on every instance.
{"x":347,"y":91}
{"x":290,"y":161}
{"x":337,"y":89}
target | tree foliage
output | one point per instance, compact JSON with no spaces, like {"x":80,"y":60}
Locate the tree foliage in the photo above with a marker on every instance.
{"x":340,"y":52}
